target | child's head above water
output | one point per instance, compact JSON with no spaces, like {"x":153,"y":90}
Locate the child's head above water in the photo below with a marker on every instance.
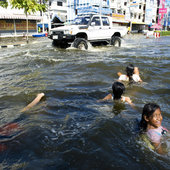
{"x":151,"y":116}
{"x":118,"y":89}
{"x":130,"y":70}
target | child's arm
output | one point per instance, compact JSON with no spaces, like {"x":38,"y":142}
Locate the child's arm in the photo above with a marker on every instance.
{"x":158,"y":148}
{"x":136,"y":71}
{"x":129,"y":101}
{"x":34,"y":102}
{"x":119,"y":74}
{"x":108,"y":97}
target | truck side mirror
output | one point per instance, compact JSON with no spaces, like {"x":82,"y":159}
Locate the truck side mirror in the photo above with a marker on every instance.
{"x":93,"y":24}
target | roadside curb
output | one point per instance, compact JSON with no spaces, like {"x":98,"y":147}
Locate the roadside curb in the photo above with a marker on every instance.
{"x":11,"y":46}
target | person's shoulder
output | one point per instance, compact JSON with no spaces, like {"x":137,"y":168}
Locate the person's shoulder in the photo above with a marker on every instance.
{"x":123,"y":77}
{"x":154,"y":135}
{"x":136,"y":77}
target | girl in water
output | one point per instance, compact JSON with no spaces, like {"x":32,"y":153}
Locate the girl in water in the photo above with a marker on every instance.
{"x":132,"y":74}
{"x":118,"y":89}
{"x":151,"y":125}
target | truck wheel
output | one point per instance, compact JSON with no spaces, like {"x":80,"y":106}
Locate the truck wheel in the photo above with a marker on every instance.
{"x":80,"y":43}
{"x":115,"y":41}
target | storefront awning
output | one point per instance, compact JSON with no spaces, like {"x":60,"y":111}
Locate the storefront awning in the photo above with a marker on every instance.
{"x":19,"y":16}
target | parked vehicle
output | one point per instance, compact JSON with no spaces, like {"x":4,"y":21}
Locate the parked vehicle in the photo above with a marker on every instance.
{"x":96,"y":29}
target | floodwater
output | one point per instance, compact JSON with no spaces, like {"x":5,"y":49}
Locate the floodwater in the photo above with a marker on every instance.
{"x":69,"y":129}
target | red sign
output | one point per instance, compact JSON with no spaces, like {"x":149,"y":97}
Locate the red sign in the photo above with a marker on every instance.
{"x":162,"y":10}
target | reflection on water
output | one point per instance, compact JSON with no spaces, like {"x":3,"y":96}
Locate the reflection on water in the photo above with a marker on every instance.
{"x":69,"y":129}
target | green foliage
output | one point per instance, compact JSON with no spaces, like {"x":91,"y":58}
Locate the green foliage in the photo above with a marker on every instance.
{"x":29,"y":6}
{"x":4,"y":3}
{"x":164,"y":33}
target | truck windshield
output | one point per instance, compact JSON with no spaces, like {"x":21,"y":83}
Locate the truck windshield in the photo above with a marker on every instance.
{"x":81,"y":21}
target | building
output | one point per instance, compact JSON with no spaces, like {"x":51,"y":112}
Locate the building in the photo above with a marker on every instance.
{"x":81,"y":7}
{"x":137,"y":14}
{"x":13,"y":22}
{"x":120,"y":12}
{"x":55,"y":15}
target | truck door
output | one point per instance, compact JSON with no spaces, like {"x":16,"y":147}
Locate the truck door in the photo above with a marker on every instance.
{"x":95,"y":29}
{"x":106,"y":33}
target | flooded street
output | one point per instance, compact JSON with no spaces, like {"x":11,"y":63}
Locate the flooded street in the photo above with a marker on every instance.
{"x":69,"y":129}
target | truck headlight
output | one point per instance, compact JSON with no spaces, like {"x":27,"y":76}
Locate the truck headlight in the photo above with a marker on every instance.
{"x":51,"y":32}
{"x":68,"y":32}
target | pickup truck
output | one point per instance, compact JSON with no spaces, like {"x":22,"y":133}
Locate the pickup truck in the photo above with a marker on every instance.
{"x":96,"y":29}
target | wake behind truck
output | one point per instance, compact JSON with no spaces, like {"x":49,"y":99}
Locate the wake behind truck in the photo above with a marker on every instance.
{"x":96,"y":29}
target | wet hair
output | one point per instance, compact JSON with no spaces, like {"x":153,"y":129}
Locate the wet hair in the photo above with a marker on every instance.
{"x":118,"y":89}
{"x":148,"y":111}
{"x":130,"y":71}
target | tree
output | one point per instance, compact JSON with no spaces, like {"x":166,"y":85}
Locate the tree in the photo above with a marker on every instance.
{"x":29,"y":6}
{"x":3,"y":3}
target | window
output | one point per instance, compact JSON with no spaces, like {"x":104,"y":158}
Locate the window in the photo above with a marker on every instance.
{"x":113,"y":10}
{"x":139,"y":17}
{"x":124,"y":12}
{"x":81,"y":20}
{"x":144,"y":7}
{"x":125,"y":3}
{"x":59,"y":3}
{"x":96,"y":20}
{"x":134,"y":16}
{"x":105,"y":21}
{"x":119,"y":11}
{"x":140,"y":6}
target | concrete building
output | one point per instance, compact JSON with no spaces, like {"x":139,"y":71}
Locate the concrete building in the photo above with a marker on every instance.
{"x":56,"y":14}
{"x":13,"y":22}
{"x":81,"y":7}
{"x":139,"y":14}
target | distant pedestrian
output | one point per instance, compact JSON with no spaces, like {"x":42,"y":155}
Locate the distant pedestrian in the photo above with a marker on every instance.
{"x":39,"y":29}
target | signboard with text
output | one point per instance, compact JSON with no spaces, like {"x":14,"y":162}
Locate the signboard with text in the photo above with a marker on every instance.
{"x":162,"y":10}
{"x":118,"y":16}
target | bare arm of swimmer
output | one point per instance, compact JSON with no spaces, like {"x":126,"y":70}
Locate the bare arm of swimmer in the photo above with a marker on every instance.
{"x":158,"y":148}
{"x":129,"y":101}
{"x":34,"y":102}
{"x":119,"y":74}
{"x":136,"y":71}
{"x":108,"y":97}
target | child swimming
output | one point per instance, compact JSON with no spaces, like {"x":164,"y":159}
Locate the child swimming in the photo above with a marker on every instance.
{"x":151,"y":124}
{"x":10,"y":128}
{"x":118,"y":89}
{"x":132,"y":73}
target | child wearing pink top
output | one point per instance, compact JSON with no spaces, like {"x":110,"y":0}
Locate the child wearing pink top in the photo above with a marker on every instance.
{"x":156,"y":134}
{"x":151,"y":124}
